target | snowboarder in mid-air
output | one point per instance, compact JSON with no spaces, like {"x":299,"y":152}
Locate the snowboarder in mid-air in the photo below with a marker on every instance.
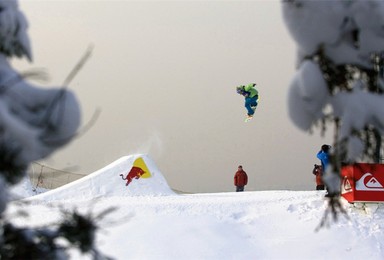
{"x":251,"y":98}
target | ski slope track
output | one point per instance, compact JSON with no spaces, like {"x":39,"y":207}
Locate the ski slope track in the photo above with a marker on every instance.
{"x":153,"y":222}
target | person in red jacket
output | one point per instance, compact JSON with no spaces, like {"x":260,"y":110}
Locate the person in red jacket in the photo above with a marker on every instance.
{"x":318,"y":172}
{"x":240,"y":179}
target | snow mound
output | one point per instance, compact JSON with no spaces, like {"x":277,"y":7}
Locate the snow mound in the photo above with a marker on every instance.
{"x":134,"y":175}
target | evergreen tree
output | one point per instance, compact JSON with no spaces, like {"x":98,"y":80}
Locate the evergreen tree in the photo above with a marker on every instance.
{"x":339,"y":78}
{"x":34,"y":122}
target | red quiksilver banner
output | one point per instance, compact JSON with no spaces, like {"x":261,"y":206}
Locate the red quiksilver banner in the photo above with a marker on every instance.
{"x":363,"y":182}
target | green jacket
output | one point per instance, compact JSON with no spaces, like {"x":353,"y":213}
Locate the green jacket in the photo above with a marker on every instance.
{"x":252,"y":91}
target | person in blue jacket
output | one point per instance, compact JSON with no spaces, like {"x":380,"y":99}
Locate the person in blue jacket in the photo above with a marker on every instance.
{"x":323,"y":156}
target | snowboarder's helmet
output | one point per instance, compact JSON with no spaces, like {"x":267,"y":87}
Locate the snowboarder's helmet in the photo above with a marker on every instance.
{"x":240,"y":89}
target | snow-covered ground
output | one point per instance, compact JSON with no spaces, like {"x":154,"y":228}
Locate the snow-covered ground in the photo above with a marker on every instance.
{"x":153,"y":222}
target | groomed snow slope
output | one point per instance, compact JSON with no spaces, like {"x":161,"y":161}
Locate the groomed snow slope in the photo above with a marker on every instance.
{"x":247,"y":225}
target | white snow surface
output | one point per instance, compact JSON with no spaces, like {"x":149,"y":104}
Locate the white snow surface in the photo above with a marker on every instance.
{"x":153,"y":222}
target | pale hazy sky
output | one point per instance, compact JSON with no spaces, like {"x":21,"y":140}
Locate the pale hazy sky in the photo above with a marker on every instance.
{"x":163,"y":74}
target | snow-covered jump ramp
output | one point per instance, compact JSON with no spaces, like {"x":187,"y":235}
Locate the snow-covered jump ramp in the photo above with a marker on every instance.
{"x":134,"y":175}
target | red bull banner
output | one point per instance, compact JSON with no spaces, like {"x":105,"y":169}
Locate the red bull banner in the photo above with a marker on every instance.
{"x":363,"y":182}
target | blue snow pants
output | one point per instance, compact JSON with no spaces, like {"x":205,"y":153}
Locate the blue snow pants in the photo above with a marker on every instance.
{"x":249,"y":103}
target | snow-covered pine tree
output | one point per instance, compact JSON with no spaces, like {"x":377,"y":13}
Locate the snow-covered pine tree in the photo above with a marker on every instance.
{"x":34,"y":122}
{"x":339,"y":78}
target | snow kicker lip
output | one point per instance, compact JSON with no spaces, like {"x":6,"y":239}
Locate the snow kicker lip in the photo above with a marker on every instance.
{"x":146,"y":180}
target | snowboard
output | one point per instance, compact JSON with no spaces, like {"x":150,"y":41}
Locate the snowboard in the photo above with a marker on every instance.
{"x":249,"y":118}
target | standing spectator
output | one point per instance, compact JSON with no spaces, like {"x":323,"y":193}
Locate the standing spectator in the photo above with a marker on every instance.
{"x":318,"y":172}
{"x":323,"y":156}
{"x":240,"y":179}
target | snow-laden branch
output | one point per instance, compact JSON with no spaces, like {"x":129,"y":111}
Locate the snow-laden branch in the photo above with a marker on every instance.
{"x":340,"y":46}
